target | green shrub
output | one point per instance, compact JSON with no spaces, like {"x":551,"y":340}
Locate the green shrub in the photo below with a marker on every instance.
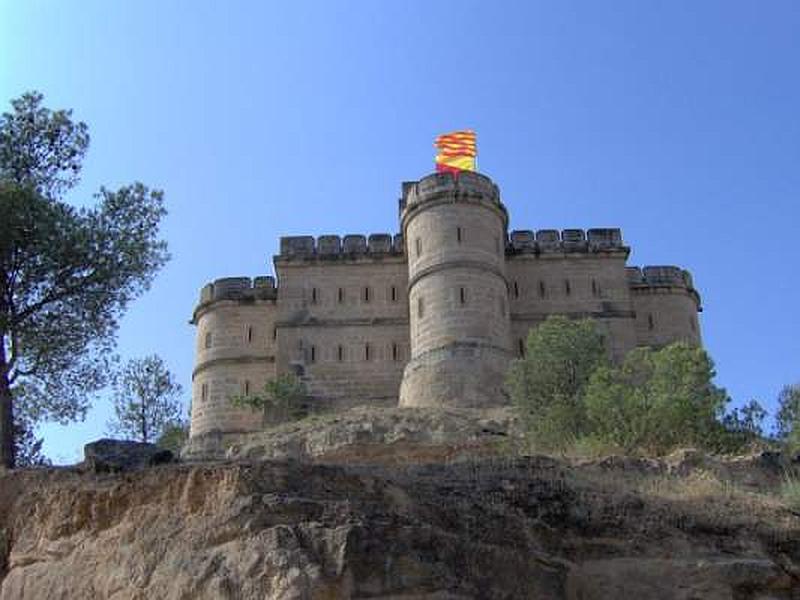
{"x":282,"y":399}
{"x":547,"y":385}
{"x":656,"y":400}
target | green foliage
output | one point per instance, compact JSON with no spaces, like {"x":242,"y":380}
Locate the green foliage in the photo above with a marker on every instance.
{"x":548,"y":384}
{"x":788,"y":416}
{"x":656,"y":400}
{"x":282,"y":398}
{"x":740,"y":429}
{"x":174,"y":436}
{"x":145,"y":400}
{"x":41,"y":149}
{"x":27,"y":447}
{"x":66,"y":274}
{"x":790,"y":491}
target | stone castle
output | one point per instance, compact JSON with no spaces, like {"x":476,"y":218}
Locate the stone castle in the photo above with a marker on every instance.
{"x":431,"y":316}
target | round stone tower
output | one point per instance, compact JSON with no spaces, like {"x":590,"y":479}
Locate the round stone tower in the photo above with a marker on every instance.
{"x":455,"y":230}
{"x":235,"y":352}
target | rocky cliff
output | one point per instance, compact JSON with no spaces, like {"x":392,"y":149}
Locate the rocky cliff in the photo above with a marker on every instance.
{"x":442,"y":524}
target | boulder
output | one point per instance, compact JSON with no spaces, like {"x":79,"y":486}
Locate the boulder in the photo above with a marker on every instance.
{"x":114,"y":456}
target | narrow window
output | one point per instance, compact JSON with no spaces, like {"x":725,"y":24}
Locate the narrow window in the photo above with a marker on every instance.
{"x":340,"y":353}
{"x":458,"y":234}
{"x":204,"y":392}
{"x":274,"y":333}
{"x":208,"y":340}
{"x":249,"y":334}
{"x":366,"y":294}
{"x":418,"y":243}
{"x":366,"y":351}
{"x":313,"y":354}
{"x":463,"y":295}
{"x":246,"y":387}
{"x":521,"y":346}
{"x":394,"y":351}
{"x":594,"y":288}
{"x":651,"y":324}
{"x":341,"y":295}
{"x":420,"y":307}
{"x":313,"y":295}
{"x":394,"y":294}
{"x":516,"y":290}
{"x":542,"y":290}
{"x":567,"y":287}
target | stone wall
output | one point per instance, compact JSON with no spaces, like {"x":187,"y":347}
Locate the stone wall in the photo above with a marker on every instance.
{"x":428,"y":317}
{"x":234,"y":352}
{"x":574,"y":274}
{"x":666,"y":305}
{"x":343,"y":323}
{"x":455,"y":232}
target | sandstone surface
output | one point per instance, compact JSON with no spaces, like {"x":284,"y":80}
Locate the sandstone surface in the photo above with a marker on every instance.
{"x":461,"y":526}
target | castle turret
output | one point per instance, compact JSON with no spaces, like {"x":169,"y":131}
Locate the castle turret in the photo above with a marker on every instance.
{"x":666,"y":305}
{"x":455,"y":235}
{"x":234,"y":354}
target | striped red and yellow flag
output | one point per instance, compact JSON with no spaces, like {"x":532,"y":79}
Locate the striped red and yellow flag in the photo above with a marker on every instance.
{"x":457,"y":151}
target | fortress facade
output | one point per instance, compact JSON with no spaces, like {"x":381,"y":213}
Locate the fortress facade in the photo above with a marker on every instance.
{"x":428,"y":317}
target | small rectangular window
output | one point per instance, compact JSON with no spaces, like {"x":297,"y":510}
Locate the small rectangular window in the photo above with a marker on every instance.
{"x":516,"y":290}
{"x":246,"y":387}
{"x":651,"y":324}
{"x":458,"y":234}
{"x":204,"y":392}
{"x":394,"y":351}
{"x":208,"y":340}
{"x":394,"y":294}
{"x":340,"y":353}
{"x":521,"y":346}
{"x":418,"y":243}
{"x":274,"y":333}
{"x":542,"y":290}
{"x":594,"y":288}
{"x":366,"y":351}
{"x":366,"y":294}
{"x":420,"y":307}
{"x":249,"y":334}
{"x":313,"y":354}
{"x":567,"y":287}
{"x":313,"y":295}
{"x":341,"y":295}
{"x":462,"y":292}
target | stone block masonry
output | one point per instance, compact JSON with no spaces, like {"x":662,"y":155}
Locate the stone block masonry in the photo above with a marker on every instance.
{"x":430,"y":316}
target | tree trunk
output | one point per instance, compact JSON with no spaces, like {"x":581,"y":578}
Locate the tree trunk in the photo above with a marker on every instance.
{"x":6,"y":414}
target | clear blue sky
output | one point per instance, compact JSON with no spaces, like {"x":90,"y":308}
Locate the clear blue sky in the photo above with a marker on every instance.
{"x":677,"y":121}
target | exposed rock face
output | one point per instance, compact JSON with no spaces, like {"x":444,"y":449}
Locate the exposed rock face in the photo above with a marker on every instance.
{"x":367,"y":435}
{"x":488,"y":527}
{"x":113,"y":456}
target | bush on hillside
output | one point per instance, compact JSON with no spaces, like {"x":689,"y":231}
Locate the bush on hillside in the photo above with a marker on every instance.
{"x":656,"y":400}
{"x":548,"y":384}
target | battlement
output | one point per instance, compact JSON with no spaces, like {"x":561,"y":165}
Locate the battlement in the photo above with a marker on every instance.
{"x":239,"y":288}
{"x":467,"y":184}
{"x":659,"y":276}
{"x":334,"y":246}
{"x":525,"y":241}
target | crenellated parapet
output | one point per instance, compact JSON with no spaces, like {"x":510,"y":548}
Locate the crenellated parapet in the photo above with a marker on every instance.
{"x":661,"y":278}
{"x":466,"y":187}
{"x":524,"y":241}
{"x":332,"y":247}
{"x":243,"y":289}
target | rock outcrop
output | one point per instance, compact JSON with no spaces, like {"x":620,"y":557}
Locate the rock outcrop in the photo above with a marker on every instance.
{"x":467,"y":527}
